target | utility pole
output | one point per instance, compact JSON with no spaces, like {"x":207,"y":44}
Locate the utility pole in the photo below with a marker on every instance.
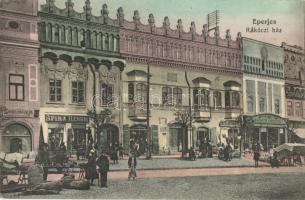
{"x":148,"y":152}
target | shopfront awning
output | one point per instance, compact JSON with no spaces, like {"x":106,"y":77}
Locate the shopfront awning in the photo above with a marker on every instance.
{"x":300,"y":132}
{"x":268,"y":120}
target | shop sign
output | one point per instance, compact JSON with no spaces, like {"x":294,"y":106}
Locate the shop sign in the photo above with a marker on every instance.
{"x":229,"y":123}
{"x":5,"y":112}
{"x":268,"y":121}
{"x":67,"y":118}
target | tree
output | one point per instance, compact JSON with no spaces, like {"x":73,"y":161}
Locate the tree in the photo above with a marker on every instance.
{"x":291,"y":133}
{"x":184,"y":118}
{"x":99,"y":119}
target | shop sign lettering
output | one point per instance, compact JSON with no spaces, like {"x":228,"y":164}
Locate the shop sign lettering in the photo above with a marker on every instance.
{"x":67,"y":118}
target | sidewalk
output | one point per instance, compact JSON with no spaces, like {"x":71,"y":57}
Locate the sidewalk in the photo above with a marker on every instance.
{"x":178,"y":163}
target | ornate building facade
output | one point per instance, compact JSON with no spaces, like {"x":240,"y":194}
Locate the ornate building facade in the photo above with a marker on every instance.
{"x":294,"y":62}
{"x":80,"y":71}
{"x":19,"y":77}
{"x":186,"y":70}
{"x":264,"y":95}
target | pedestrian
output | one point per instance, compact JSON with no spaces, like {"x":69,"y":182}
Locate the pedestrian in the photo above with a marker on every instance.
{"x":91,"y":174}
{"x":116,"y":153}
{"x":256,"y":154}
{"x":132,"y":164}
{"x":121,"y":151}
{"x":103,"y":163}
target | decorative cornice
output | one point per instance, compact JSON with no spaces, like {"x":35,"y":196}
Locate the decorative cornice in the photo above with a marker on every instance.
{"x":183,"y":65}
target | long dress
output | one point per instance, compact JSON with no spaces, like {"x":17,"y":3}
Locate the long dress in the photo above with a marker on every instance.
{"x":91,"y":168}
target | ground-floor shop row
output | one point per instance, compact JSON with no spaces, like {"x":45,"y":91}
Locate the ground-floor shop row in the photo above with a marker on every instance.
{"x":76,"y":132}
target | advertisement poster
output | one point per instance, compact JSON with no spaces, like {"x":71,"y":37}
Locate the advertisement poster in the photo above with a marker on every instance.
{"x":142,"y":99}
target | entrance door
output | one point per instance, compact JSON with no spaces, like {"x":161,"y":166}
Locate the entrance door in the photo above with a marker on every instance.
{"x":109,"y":136}
{"x":175,"y":137}
{"x":264,"y":140}
{"x":138,"y":134}
{"x":203,"y":135}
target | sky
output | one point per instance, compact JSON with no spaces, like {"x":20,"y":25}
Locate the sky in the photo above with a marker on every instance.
{"x":235,"y":15}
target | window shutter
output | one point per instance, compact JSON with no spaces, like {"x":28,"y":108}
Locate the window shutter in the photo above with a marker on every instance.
{"x":155,"y":139}
{"x":33,"y":83}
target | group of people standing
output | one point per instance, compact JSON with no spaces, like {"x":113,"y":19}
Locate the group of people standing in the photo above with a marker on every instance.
{"x":103,"y":163}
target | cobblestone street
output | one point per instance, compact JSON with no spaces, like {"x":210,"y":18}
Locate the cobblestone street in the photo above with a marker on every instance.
{"x":249,"y":186}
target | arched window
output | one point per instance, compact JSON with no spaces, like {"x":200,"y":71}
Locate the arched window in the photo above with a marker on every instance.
{"x":17,"y":138}
{"x":261,"y":104}
{"x":250,"y":104}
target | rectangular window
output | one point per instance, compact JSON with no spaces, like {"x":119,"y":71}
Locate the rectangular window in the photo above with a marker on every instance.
{"x":16,"y":87}
{"x":78,"y":90}
{"x":177,"y":96}
{"x":107,"y":94}
{"x":298,"y":109}
{"x":55,"y":90}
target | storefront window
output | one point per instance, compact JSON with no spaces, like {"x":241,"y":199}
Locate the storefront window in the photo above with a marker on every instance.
{"x":138,"y":134}
{"x":17,"y":138}
{"x":233,"y":138}
{"x":55,"y":138}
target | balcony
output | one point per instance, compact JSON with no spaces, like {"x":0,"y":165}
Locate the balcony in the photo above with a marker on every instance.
{"x":137,"y":113}
{"x":202,"y":114}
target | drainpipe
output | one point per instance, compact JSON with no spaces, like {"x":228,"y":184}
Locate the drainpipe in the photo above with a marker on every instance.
{"x":148,"y":153}
{"x":190,"y":108}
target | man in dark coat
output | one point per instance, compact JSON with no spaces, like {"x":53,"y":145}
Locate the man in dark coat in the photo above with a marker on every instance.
{"x":256,"y":153}
{"x":103,"y":164}
{"x":91,"y":168}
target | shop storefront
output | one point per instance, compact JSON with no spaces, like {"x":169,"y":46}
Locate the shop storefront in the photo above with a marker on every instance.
{"x":68,"y":129}
{"x":267,"y":129}
{"x":230,"y":132}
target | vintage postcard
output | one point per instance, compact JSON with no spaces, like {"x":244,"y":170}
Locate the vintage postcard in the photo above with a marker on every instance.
{"x":152,"y":99}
